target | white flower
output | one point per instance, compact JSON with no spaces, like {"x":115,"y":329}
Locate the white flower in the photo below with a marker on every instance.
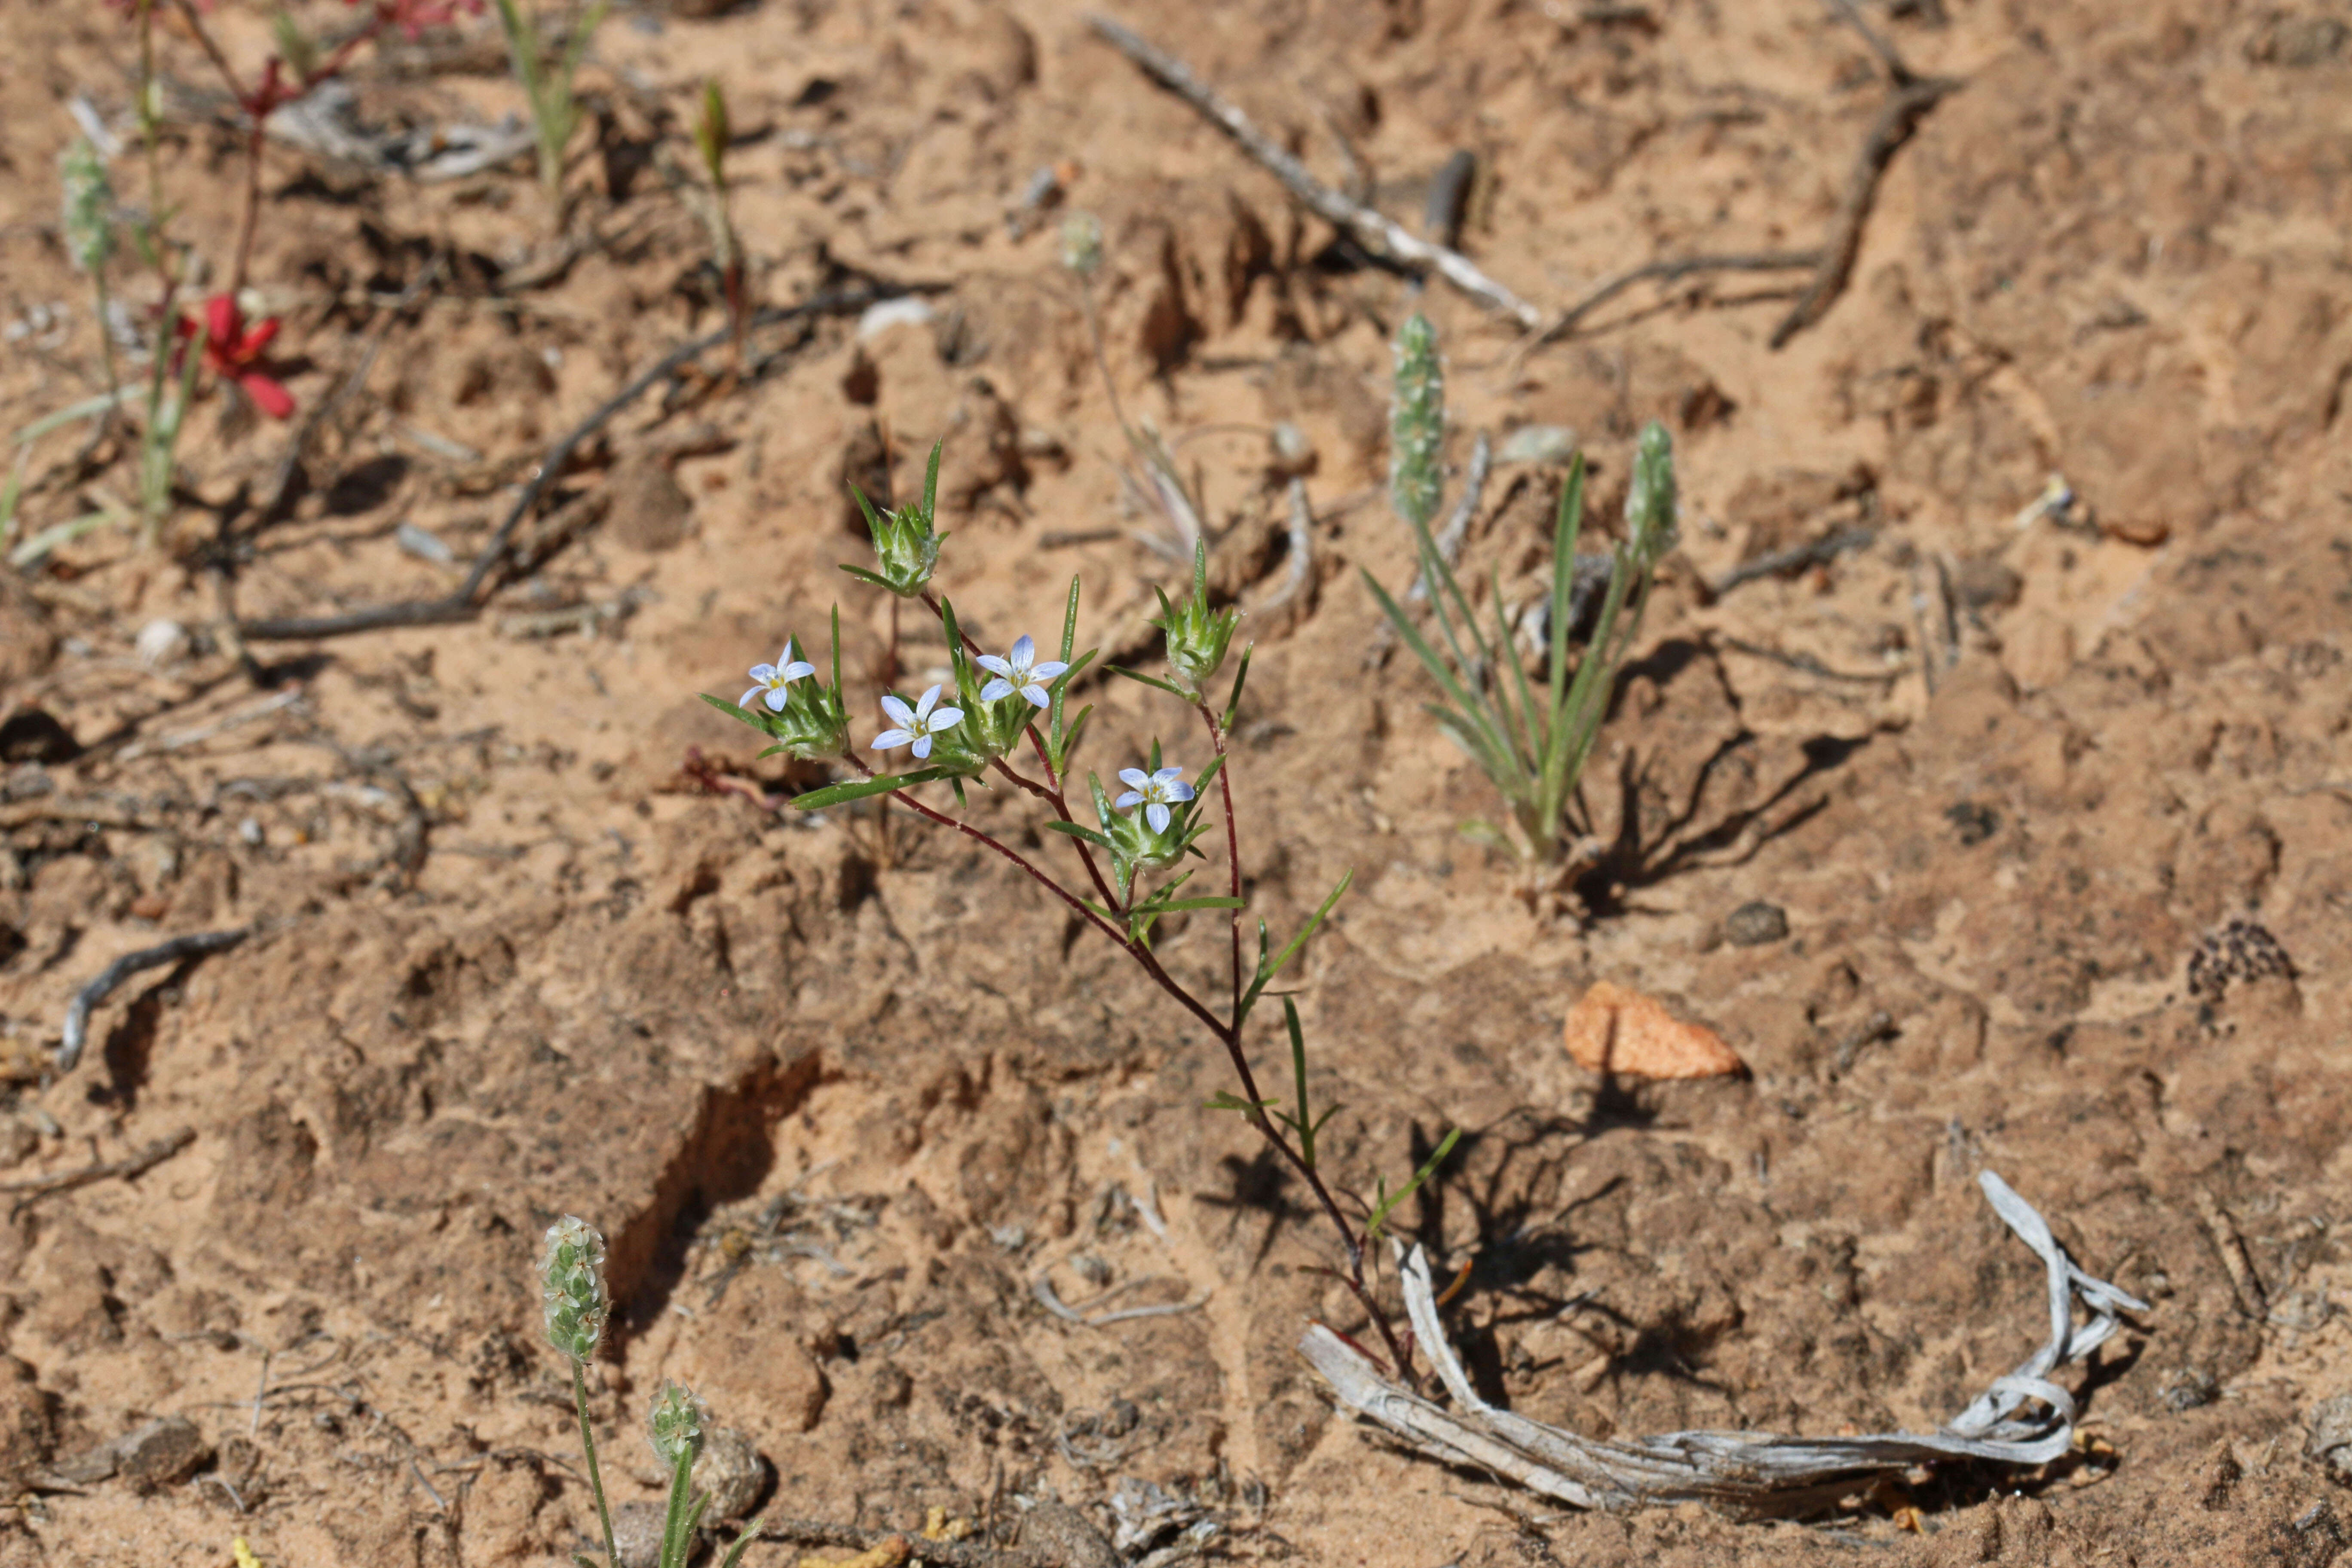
{"x":1020,"y":671}
{"x":918,"y":723}
{"x":774,"y":678}
{"x":1154,"y":793}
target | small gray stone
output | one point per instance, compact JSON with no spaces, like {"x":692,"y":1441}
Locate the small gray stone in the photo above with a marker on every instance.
{"x":730,"y":1472}
{"x":1058,"y":1534}
{"x":1754,"y":924}
{"x":162,"y":1453}
{"x":1552,"y":444}
{"x":1986,"y":584}
{"x":2330,"y":1438}
{"x":637,"y":1533}
{"x":650,"y":510}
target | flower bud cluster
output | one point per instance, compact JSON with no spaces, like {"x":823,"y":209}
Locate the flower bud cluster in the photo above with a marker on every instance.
{"x":906,"y":544}
{"x":87,"y":216}
{"x":1197,"y":635}
{"x":1417,"y":423}
{"x":572,"y":1284}
{"x":674,"y":1426}
{"x":1651,"y":515}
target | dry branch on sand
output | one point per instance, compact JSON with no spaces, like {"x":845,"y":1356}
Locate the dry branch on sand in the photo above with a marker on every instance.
{"x":1378,"y":233}
{"x":1754,"y":1472}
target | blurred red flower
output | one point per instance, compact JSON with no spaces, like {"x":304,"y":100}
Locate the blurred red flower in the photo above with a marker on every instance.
{"x":234,"y":352}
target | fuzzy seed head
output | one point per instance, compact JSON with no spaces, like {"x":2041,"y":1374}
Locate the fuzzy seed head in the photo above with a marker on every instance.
{"x":1082,"y":243}
{"x":1417,"y":423}
{"x":1650,"y":512}
{"x":676,"y":1424}
{"x":571,"y":1285}
{"x":89,"y":198}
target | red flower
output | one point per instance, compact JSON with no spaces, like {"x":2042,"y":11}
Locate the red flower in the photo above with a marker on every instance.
{"x":234,"y":352}
{"x":412,"y":17}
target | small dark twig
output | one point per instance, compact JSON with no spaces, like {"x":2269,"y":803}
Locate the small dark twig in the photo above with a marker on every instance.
{"x":465,"y":604}
{"x":137,"y":1165}
{"x":78,"y":1013}
{"x":1378,"y":233}
{"x":1897,"y":71}
{"x":1901,"y":116}
{"x":1672,"y":271}
{"x":1814,"y":553}
{"x":1806,"y":663}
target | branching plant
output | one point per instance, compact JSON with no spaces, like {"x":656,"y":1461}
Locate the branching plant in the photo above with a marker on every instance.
{"x":546,"y":76}
{"x":577,"y":1305}
{"x":1531,"y":741}
{"x":1131,"y":855}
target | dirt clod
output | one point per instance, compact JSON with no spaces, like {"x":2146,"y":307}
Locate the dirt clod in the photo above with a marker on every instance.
{"x":1755,"y":923}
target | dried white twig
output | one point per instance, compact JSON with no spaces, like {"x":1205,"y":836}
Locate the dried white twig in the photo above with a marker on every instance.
{"x":1758,"y":1472}
{"x":1375,"y":231}
{"x":1043,"y":1289}
{"x":1457,"y":526}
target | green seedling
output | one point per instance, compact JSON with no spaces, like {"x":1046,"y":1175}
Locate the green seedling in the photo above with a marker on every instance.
{"x":1532,"y":741}
{"x":546,"y":76}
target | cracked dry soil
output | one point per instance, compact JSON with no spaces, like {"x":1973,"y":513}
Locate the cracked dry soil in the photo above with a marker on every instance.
{"x":840,"y":1095}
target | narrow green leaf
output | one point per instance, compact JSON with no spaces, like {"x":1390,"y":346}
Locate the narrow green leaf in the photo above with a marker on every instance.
{"x":1075,"y":831}
{"x":859,"y":789}
{"x":1234,"y":703}
{"x":731,"y":710}
{"x":1173,"y":690}
{"x":1070,"y":621}
{"x":1266,"y":972}
{"x":1179,"y":905}
{"x":735,"y":1552}
{"x":862,"y":575}
{"x":1389,"y":1201}
{"x":85,"y":409}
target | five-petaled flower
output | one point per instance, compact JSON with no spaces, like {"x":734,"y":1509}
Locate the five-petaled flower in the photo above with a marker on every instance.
{"x":234,"y":352}
{"x":774,"y":678}
{"x":1153,"y":792}
{"x":918,"y":723}
{"x":1020,"y":671}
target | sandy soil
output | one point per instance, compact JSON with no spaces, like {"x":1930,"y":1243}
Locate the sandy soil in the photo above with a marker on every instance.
{"x":840,"y":1096}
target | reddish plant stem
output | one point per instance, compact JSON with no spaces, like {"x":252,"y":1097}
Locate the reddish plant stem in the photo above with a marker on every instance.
{"x":259,"y":107}
{"x":1228,"y":1033}
{"x":1233,"y":846}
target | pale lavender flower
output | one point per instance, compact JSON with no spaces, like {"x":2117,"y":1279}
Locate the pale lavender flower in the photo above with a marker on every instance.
{"x":1020,"y":671}
{"x":918,"y":723}
{"x":1153,"y":792}
{"x":773,"y":679}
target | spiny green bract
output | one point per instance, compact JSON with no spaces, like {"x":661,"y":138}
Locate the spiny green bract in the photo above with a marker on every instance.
{"x":1197,"y":635}
{"x":906,"y":546}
